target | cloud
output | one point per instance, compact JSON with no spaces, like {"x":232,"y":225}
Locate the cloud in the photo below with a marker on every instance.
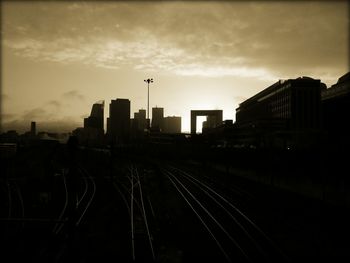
{"x":54,"y":103}
{"x":256,"y":39}
{"x":73,"y":95}
{"x":21,"y":122}
{"x":219,"y":71}
{"x":34,"y":113}
{"x":7,"y":116}
{"x":45,"y":118}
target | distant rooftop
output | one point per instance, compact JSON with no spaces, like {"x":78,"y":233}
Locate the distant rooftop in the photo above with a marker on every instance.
{"x":345,"y":77}
{"x":272,"y":88}
{"x":341,"y":88}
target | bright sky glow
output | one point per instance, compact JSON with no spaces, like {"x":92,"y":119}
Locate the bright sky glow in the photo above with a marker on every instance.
{"x":60,"y":57}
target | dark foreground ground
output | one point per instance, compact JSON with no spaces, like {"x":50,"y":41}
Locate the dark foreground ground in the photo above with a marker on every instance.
{"x":302,"y":228}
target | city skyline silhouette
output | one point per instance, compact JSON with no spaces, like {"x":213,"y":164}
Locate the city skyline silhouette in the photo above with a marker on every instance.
{"x":56,"y":61}
{"x":174,"y":131}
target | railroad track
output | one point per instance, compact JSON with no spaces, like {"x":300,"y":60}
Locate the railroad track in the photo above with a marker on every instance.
{"x":49,"y":230}
{"x":221,"y":184}
{"x":81,"y":203}
{"x":235,"y":235}
{"x":85,"y":200}
{"x":71,"y":217}
{"x":14,"y":203}
{"x":139,"y":208}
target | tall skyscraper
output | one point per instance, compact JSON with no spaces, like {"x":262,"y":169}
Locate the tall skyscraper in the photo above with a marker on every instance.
{"x":157,"y":118}
{"x":95,"y":120}
{"x":119,"y":120}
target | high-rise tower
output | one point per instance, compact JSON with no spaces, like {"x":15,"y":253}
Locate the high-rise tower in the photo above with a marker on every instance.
{"x":119,"y":120}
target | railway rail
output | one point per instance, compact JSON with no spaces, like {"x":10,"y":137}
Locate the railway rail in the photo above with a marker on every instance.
{"x":130,"y":187}
{"x":234,"y":233}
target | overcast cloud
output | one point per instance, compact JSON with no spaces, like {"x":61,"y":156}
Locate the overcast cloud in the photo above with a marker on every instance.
{"x":63,"y":55}
{"x":214,"y":39}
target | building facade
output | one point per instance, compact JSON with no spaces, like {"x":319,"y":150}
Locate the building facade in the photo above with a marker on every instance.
{"x":140,"y":120}
{"x":95,"y":120}
{"x":293,"y":104}
{"x":215,"y":117}
{"x":210,"y":123}
{"x":157,"y":118}
{"x":287,"y":114}
{"x":336,"y":108}
{"x":172,"y":124}
{"x":119,"y":120}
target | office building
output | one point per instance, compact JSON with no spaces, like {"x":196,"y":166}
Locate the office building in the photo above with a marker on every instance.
{"x":140,"y":119}
{"x":119,"y":120}
{"x":336,"y":107}
{"x":210,"y":123}
{"x":95,"y":120}
{"x":293,"y":104}
{"x":285,"y":115}
{"x":93,"y":131}
{"x":157,"y":118}
{"x":215,"y":118}
{"x":172,"y":124}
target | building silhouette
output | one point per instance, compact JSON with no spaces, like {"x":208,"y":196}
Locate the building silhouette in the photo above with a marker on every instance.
{"x":215,"y":118}
{"x":157,"y":119}
{"x":140,"y":120}
{"x":33,"y":128}
{"x":286,"y":113}
{"x":210,"y":123}
{"x":118,"y":122}
{"x":138,"y":124}
{"x":172,"y":124}
{"x":92,"y":133}
{"x":95,"y":120}
{"x":287,"y":104}
{"x":336,"y":109}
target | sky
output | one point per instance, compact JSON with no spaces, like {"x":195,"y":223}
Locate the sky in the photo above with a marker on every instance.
{"x":60,"y":57}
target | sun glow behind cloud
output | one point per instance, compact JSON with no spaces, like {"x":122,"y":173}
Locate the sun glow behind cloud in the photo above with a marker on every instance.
{"x":237,"y":48}
{"x":208,"y":71}
{"x":146,"y":56}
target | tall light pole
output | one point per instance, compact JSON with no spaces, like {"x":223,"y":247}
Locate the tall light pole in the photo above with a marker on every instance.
{"x":148,"y":82}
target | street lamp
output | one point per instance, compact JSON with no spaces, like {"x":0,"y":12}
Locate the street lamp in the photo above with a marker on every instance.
{"x":148,"y":82}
